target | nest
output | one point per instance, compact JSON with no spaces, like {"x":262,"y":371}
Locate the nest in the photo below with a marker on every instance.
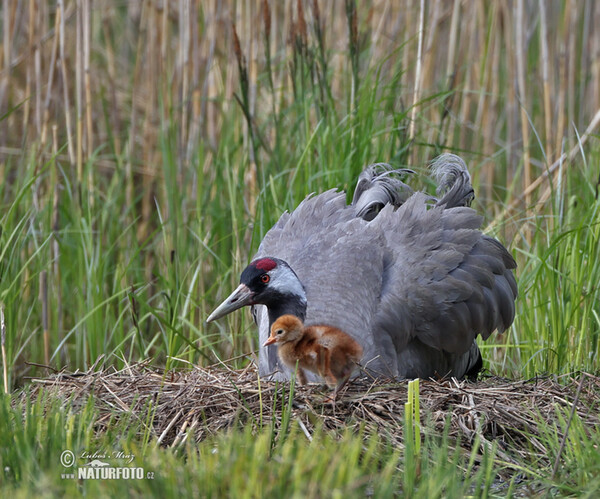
{"x":209,"y":400}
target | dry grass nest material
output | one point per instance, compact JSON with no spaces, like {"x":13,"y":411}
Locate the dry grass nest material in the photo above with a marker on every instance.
{"x":208,"y":400}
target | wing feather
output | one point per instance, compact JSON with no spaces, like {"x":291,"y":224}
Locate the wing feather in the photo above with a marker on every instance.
{"x":449,"y":279}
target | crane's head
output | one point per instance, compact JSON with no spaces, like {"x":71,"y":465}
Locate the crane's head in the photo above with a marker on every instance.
{"x":267,"y":281}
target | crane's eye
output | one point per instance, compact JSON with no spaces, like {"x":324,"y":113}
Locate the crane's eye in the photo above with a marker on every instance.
{"x":265,"y":278}
{"x":279,"y":331}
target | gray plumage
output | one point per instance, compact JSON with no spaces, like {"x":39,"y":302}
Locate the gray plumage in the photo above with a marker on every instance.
{"x":377,"y":186}
{"x":411,"y":278}
{"x":454,"y":181}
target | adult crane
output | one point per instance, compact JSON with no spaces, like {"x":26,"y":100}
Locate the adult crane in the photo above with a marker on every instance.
{"x":410,"y":277}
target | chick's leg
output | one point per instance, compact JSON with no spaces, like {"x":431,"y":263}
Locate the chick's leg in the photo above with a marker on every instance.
{"x":341,"y":385}
{"x":300,"y":376}
{"x":346,"y":373}
{"x":327,"y":374}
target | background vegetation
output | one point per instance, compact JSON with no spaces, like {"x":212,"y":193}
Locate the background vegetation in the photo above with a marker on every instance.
{"x":146,"y":147}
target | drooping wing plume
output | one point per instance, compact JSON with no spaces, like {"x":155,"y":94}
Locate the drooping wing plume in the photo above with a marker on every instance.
{"x":378,"y":185}
{"x":453,"y":179}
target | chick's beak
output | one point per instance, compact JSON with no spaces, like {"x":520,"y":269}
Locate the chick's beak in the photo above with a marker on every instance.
{"x":241,"y":297}
{"x":270,"y":341}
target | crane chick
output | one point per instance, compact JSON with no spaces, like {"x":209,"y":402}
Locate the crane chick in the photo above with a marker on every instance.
{"x":325,"y":350}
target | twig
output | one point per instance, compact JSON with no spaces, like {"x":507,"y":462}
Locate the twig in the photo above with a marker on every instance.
{"x":169,"y":426}
{"x":304,"y":429}
{"x":45,"y":366}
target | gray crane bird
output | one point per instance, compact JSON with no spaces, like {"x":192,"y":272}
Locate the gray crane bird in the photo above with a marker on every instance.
{"x":410,"y":277}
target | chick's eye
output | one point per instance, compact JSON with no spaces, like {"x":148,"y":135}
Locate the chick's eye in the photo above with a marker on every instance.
{"x":279,"y":331}
{"x":265,"y":278}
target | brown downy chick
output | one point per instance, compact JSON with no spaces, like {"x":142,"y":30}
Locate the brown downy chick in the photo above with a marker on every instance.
{"x":324,"y":350}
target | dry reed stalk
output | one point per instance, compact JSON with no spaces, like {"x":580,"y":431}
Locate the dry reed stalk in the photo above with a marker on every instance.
{"x":60,"y":11}
{"x":446,"y":125}
{"x":585,"y":60}
{"x":485,"y":96}
{"x":266,"y":18}
{"x":595,"y":94}
{"x":278,"y":30}
{"x":417,"y":81}
{"x":79,"y":97}
{"x":564,"y":104}
{"x":352,"y":18}
{"x":31,"y":63}
{"x":522,"y":96}
{"x":491,"y":110}
{"x":407,"y":30}
{"x":152,"y":115}
{"x":571,"y":60}
{"x":562,"y":85}
{"x":3,"y":344}
{"x":55,"y":185}
{"x":509,"y":43}
{"x":450,"y":60}
{"x":28,"y":77}
{"x":301,"y":20}
{"x":37,"y":64}
{"x":27,"y":290}
{"x":85,"y":39}
{"x":485,"y":60}
{"x":377,"y":24}
{"x":111,"y":74}
{"x":50,"y":82}
{"x":5,"y":74}
{"x":6,"y":45}
{"x":247,"y":79}
{"x":569,"y":76}
{"x":45,"y":326}
{"x":428,"y":52}
{"x":470,"y":82}
{"x":133,"y":118}
{"x":89,"y":130}
{"x":206,"y":47}
{"x":158,"y":31}
{"x":184,"y":43}
{"x":196,"y":89}
{"x":251,"y":174}
{"x":546,"y":83}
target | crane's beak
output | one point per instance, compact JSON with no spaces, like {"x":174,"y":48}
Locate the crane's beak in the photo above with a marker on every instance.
{"x":241,"y":297}
{"x":270,"y":341}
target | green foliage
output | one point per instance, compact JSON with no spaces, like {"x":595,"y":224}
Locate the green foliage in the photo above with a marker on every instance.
{"x":134,"y":260}
{"x":557,"y":325}
{"x":273,"y":462}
